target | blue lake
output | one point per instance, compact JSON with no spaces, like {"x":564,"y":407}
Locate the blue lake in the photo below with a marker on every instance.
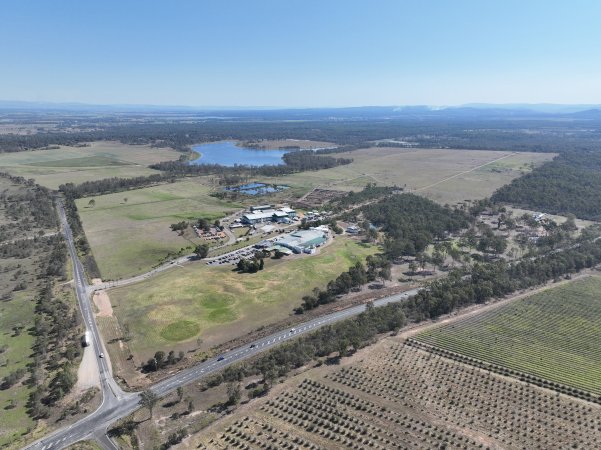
{"x":227,"y":153}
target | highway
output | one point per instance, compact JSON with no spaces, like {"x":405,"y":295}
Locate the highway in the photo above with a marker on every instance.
{"x":117,"y":404}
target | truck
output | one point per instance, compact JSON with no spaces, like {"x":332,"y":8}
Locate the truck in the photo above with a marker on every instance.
{"x":86,"y":339}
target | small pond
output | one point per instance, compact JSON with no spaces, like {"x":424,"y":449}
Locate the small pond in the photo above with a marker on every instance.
{"x":257,"y":188}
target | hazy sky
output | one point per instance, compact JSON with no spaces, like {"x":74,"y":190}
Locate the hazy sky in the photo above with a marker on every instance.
{"x":300,"y":53}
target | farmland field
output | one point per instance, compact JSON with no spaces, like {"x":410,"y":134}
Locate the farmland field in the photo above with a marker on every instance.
{"x":553,"y":335}
{"x":130,"y":236}
{"x":396,"y":396}
{"x":446,"y":176}
{"x":218,"y":304}
{"x":54,"y":167}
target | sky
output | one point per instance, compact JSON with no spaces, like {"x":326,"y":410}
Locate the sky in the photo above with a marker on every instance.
{"x":300,"y":53}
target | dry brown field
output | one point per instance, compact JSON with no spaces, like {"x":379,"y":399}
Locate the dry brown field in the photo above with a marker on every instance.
{"x":392,"y":395}
{"x":443,"y":175}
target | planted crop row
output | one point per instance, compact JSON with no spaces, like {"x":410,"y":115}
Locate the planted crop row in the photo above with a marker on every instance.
{"x":403,"y":397}
{"x":551,"y":337}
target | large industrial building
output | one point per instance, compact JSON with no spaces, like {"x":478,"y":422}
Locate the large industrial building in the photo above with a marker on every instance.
{"x":268,"y":215}
{"x":304,"y":240}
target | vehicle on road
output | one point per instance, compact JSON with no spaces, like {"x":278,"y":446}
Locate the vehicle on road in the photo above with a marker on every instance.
{"x":101,"y":355}
{"x":220,"y":358}
{"x":253,"y":345}
{"x":292,"y":330}
{"x":86,"y":340}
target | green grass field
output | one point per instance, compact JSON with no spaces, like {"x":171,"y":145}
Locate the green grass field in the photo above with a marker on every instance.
{"x":16,"y":355}
{"x":52,"y":168}
{"x":130,"y":237}
{"x":553,"y":334}
{"x":218,"y":304}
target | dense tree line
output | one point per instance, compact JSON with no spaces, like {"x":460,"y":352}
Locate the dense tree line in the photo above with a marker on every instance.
{"x":426,"y":131}
{"x":27,"y":207}
{"x":305,"y":160}
{"x":56,"y":345}
{"x":496,"y":279}
{"x":32,"y":203}
{"x":368,"y":193}
{"x":160,"y":360}
{"x":463,"y":287}
{"x":294,"y":162}
{"x":79,"y":237}
{"x":356,"y":276}
{"x":569,"y":184}
{"x":411,"y":222}
{"x":114,"y":184}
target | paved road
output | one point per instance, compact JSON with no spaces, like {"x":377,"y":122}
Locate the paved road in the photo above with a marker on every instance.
{"x":117,"y":404}
{"x":112,"y":394}
{"x":95,"y":425}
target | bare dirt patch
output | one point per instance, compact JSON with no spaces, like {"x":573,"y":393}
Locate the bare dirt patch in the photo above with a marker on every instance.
{"x":87,"y":373}
{"x":103,"y":303}
{"x":318,"y":197}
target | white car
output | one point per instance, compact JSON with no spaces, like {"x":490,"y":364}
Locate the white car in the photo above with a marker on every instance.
{"x":101,"y":355}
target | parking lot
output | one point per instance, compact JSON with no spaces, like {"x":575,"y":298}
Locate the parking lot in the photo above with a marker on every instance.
{"x":235,"y":256}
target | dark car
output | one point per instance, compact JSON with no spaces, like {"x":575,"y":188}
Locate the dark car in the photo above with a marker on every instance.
{"x":220,"y":358}
{"x":253,"y":345}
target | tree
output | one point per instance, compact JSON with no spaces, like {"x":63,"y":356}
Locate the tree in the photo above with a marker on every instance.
{"x":201,"y":251}
{"x":412,"y":267}
{"x":437,"y":258}
{"x":384,"y":273}
{"x":180,"y":394}
{"x":342,"y":347}
{"x":92,"y":203}
{"x":570,"y":223}
{"x":148,"y":399}
{"x":124,"y":199}
{"x":233,"y":393}
{"x":159,"y":357}
{"x":422,"y":259}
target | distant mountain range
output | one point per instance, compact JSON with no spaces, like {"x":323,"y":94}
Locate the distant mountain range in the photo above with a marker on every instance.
{"x":468,"y":111}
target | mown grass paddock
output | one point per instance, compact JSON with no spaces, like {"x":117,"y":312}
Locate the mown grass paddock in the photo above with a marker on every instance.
{"x":553,"y":334}
{"x":129,"y":232}
{"x":216,"y":303}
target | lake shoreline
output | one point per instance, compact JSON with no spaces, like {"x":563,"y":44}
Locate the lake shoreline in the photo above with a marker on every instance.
{"x":230,"y":153}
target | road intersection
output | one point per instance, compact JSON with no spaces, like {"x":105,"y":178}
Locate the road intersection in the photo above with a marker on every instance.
{"x":117,"y":404}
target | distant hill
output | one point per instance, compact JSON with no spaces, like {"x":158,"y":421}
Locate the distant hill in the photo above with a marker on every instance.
{"x":471,"y":111}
